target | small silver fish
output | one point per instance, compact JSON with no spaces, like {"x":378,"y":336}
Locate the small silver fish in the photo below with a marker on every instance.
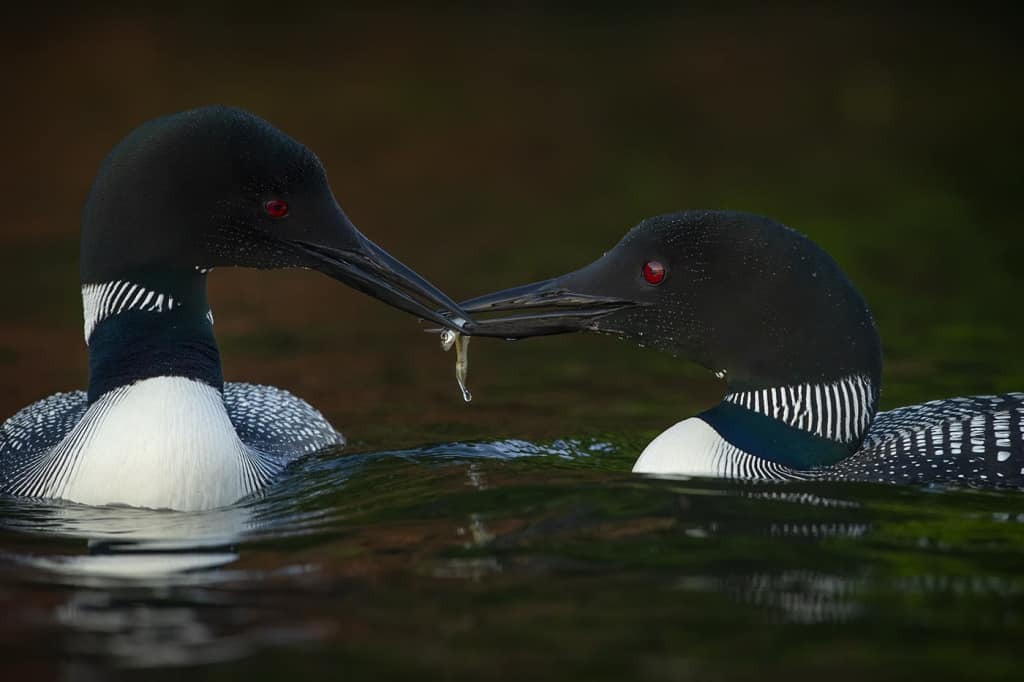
{"x":461,"y":343}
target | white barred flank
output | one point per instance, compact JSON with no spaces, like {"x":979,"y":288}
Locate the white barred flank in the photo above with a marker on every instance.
{"x":47,"y":476}
{"x":975,"y":440}
{"x":100,"y":301}
{"x":840,"y":411}
{"x":693,"y":448}
{"x":732,"y":462}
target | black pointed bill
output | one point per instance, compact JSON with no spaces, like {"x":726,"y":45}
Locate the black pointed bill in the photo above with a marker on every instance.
{"x":539,"y":309}
{"x":370,"y":269}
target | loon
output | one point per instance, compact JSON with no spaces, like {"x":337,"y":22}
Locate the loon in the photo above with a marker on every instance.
{"x":158,"y":427}
{"x":773,"y":315}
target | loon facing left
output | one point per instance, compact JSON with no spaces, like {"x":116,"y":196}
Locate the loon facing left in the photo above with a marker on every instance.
{"x":158,"y":426}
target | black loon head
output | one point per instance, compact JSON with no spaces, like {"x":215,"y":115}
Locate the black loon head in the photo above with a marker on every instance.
{"x":188,"y":192}
{"x":742,"y":295}
{"x":218,"y":186}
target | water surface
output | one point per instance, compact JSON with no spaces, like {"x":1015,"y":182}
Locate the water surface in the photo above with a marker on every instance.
{"x":506,"y":559}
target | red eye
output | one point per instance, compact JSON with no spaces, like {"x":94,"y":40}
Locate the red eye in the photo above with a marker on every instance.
{"x":653,"y":272}
{"x":276,"y":208}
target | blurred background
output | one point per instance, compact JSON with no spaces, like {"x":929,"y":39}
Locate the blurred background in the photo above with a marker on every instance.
{"x":488,"y":147}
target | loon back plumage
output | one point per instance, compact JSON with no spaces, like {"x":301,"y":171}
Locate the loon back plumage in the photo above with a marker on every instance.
{"x":975,"y":440}
{"x":770,"y":312}
{"x":158,"y":427}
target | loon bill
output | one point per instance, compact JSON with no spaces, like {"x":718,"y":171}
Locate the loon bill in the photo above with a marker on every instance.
{"x":158,"y":427}
{"x":770,"y":312}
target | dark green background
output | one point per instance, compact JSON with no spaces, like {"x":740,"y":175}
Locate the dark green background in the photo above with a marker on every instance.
{"x":491,"y":147}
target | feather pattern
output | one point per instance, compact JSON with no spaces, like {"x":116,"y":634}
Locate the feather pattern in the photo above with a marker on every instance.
{"x":841,"y":410}
{"x":166,"y":442}
{"x":100,"y":301}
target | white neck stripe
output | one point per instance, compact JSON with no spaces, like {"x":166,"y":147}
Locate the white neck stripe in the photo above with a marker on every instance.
{"x":100,"y":301}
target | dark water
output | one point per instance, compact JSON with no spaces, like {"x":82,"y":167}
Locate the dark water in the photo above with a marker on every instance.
{"x":506,"y":539}
{"x":511,"y":560}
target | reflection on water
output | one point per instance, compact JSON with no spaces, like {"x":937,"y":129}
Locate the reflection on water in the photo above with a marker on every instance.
{"x":122,"y":542}
{"x":804,"y":597}
{"x":139,"y":579}
{"x":494,"y":548}
{"x":146,"y":582}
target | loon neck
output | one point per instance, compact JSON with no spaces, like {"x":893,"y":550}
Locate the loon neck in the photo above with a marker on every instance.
{"x":148,"y":325}
{"x":799,"y":425}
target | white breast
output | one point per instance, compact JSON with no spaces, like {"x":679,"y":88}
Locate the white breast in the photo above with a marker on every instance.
{"x":165,"y":442}
{"x":693,"y":448}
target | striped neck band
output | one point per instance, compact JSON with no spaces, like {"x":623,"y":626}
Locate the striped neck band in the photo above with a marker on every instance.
{"x":840,"y":411}
{"x":100,"y":301}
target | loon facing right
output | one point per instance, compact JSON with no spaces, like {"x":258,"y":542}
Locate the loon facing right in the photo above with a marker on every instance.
{"x":770,"y":312}
{"x":158,"y":426}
